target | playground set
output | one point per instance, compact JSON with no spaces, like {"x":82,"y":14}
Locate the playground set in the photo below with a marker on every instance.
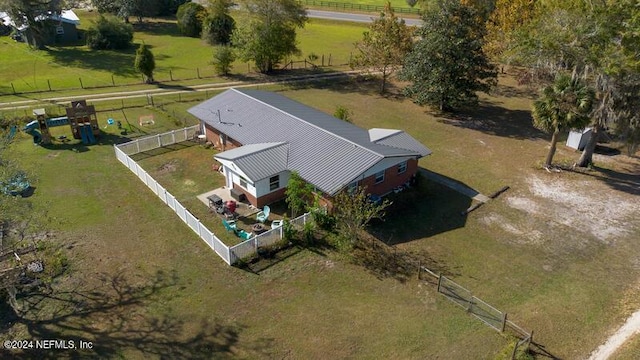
{"x":80,"y":117}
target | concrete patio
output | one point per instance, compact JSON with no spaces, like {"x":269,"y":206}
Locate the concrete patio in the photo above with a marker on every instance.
{"x":244,"y":209}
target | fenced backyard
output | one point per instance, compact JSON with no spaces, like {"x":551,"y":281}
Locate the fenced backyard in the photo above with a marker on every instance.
{"x":230,"y":254}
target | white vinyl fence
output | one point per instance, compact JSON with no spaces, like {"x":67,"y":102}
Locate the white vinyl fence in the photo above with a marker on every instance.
{"x":229,"y":254}
{"x":156,"y":141}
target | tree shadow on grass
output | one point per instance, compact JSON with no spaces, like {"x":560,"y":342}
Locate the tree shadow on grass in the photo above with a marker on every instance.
{"x":158,"y":28}
{"x":117,"y":62}
{"x":385,"y":261}
{"x":628,"y":182}
{"x":495,"y":120}
{"x":420,"y":212}
{"x":114,"y":317}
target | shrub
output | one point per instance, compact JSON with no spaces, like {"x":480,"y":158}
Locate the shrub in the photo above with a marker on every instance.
{"x":145,"y":62}
{"x":190,"y":17}
{"x":217,"y":29}
{"x":223,"y":57}
{"x":342,"y":113}
{"x":109,"y":32}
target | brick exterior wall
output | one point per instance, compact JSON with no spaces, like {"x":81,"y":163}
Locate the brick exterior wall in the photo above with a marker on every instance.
{"x":391,"y":179}
{"x":213,"y":136}
{"x":262,"y":200}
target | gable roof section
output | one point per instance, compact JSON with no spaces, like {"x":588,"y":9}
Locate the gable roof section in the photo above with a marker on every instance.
{"x":325,"y":151}
{"x":65,"y":16}
{"x":398,"y":139}
{"x":258,"y":161}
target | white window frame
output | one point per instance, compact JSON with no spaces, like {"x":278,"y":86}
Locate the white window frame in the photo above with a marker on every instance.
{"x":402,"y":167}
{"x":379,"y":176}
{"x":273,"y":182}
{"x":243,"y":182}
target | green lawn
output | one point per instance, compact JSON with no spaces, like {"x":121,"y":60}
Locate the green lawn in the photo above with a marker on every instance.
{"x":177,"y":57}
{"x":569,"y":289}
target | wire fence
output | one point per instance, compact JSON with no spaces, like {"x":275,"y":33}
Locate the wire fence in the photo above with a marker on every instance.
{"x":359,"y":7}
{"x":42,"y":85}
{"x":475,"y":306}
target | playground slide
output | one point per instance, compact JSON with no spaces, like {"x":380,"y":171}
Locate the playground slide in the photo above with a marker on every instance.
{"x":87,"y":135}
{"x":30,"y":129}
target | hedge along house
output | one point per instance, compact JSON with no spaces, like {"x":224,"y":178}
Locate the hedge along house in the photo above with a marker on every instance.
{"x":265,"y":136}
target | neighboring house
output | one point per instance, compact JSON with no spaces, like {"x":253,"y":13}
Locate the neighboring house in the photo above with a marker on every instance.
{"x":61,"y":28}
{"x":265,"y":136}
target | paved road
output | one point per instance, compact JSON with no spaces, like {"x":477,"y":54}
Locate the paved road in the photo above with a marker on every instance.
{"x":365,"y":18}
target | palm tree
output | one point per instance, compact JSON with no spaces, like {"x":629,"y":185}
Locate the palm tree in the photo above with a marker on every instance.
{"x":565,"y":104}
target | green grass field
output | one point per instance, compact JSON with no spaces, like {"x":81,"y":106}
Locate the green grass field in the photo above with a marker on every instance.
{"x":177,"y":57}
{"x":570,"y":288}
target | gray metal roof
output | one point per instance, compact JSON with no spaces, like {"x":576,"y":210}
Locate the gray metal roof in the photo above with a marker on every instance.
{"x":398,"y":139}
{"x":327,"y":152}
{"x":258,"y":161}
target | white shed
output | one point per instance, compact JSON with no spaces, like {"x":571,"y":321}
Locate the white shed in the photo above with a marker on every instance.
{"x":578,"y":139}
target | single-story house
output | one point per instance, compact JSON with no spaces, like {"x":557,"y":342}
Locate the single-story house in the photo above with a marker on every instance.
{"x":61,"y":28}
{"x":265,"y":136}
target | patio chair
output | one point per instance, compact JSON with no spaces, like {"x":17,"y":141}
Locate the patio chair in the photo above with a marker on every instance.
{"x":230,"y":225}
{"x":244,"y":235}
{"x":276,"y":224}
{"x":264,"y":214}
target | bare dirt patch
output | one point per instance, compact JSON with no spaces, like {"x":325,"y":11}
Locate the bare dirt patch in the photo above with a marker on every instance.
{"x":168,"y":167}
{"x":566,"y":213}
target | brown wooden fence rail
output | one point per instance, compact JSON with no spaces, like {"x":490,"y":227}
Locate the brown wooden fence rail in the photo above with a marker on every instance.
{"x":491,"y":316}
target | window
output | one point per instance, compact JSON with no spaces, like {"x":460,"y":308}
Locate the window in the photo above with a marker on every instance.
{"x":243,"y":182}
{"x":379,"y":177}
{"x":274,"y":182}
{"x":402,"y":167}
{"x":351,"y":188}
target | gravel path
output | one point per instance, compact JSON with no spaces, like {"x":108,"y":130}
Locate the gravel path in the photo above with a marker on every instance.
{"x":631,"y":327}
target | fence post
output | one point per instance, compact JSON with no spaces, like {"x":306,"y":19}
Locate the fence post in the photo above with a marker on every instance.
{"x":138,"y":146}
{"x":113,"y":81}
{"x":504,"y":322}
{"x":322,"y":59}
{"x":49,"y":84}
{"x":198,"y":72}
{"x":173,"y":136}
{"x":170,"y":75}
{"x":329,"y":59}
{"x":159,"y":141}
{"x":515,"y":349}
{"x":439,"y":282}
{"x":82,"y":86}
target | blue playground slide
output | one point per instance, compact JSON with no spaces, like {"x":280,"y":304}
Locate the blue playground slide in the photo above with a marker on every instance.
{"x":87,"y":135}
{"x":30,"y":129}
